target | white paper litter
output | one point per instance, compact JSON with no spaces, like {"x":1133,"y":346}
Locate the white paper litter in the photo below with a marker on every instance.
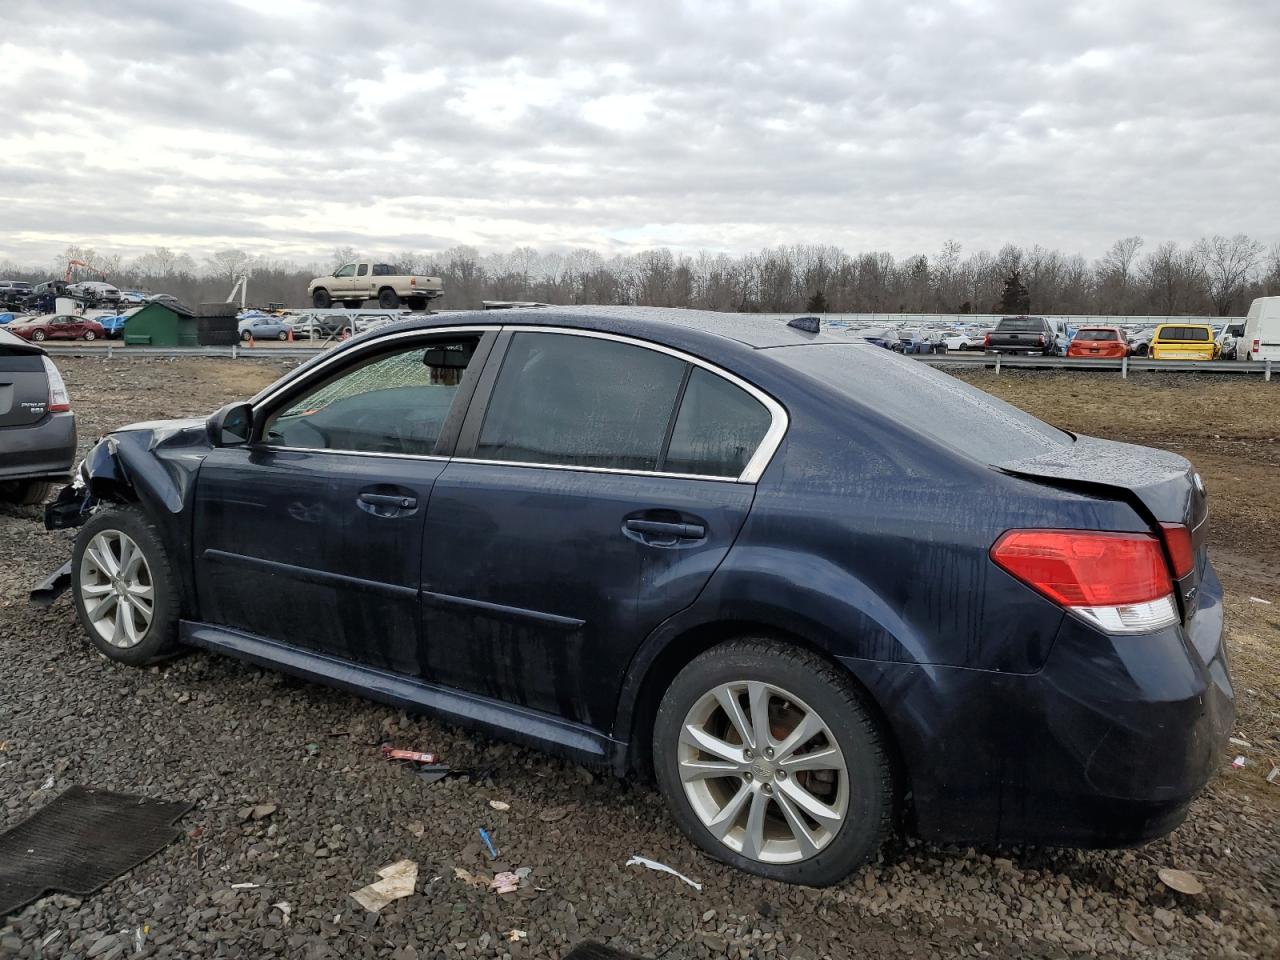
{"x":398,"y":880}
{"x":662,"y":868}
{"x":1236,"y":741}
{"x":244,"y":886}
{"x":1259,"y":600}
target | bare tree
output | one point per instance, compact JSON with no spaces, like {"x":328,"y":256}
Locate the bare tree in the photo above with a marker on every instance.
{"x":1229,"y":264}
{"x":1173,"y":279}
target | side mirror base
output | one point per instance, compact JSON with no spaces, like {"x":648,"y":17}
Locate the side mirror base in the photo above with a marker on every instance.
{"x":231,"y":426}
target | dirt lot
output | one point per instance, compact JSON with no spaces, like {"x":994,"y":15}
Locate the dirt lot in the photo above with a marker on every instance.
{"x":227,"y":736}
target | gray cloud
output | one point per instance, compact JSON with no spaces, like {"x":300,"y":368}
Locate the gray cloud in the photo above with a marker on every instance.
{"x":287,"y":127}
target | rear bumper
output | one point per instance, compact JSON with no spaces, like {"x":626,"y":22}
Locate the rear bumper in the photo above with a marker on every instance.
{"x":1106,"y":746}
{"x":46,"y":450}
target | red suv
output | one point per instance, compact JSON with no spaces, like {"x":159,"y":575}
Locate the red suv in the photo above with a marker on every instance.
{"x":59,"y":328}
{"x":1099,"y":342}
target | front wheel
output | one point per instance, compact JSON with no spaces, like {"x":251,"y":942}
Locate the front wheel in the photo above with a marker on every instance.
{"x":770,"y":761}
{"x":125,"y":592}
{"x":321,"y":300}
{"x":38,"y":335}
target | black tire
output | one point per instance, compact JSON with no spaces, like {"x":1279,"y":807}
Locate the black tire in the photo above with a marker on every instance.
{"x":246,"y":335}
{"x":26,"y":493}
{"x":388,"y":299}
{"x":833,"y":696}
{"x":321,"y":300}
{"x":353,"y":304}
{"x":160,"y":639}
{"x":417,"y":303}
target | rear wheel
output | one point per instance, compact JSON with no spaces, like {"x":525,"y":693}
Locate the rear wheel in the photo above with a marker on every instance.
{"x":283,"y":336}
{"x":388,"y":299}
{"x":353,"y":304}
{"x":90,"y":335}
{"x":125,"y":591}
{"x":771,"y":762}
{"x":321,"y":300}
{"x":25,"y":492}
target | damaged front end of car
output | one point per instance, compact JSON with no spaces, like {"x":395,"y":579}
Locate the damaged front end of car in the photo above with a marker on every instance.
{"x":149,"y":464}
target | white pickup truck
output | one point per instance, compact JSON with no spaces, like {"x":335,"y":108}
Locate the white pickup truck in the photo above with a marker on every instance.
{"x":354,"y":283}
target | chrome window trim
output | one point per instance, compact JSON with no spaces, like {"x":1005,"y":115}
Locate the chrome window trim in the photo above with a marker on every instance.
{"x":755,"y":467}
{"x":751,"y":473}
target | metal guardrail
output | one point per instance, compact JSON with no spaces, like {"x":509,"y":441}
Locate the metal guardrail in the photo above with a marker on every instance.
{"x":1124,"y":366}
{"x":110,"y":351}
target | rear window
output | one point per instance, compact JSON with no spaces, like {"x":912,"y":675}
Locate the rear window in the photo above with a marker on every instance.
{"x":926,"y":401}
{"x":1185,"y":334}
{"x":384,"y":270}
{"x":1017,"y":324}
{"x":1097,"y":335}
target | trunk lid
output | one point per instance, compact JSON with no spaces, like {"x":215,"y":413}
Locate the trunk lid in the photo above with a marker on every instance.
{"x":1162,"y":486}
{"x":24,"y":386}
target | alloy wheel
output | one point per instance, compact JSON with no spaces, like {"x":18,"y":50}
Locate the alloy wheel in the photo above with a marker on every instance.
{"x":763,"y":772}
{"x":116,"y":589}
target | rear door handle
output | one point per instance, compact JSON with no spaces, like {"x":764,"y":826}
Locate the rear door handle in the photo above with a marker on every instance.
{"x":389,"y":500}
{"x":662,"y":530}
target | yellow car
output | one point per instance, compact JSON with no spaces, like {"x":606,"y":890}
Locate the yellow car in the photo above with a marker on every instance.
{"x":1184,"y":341}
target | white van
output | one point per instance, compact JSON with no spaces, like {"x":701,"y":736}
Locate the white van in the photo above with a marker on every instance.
{"x":1261,"y":340}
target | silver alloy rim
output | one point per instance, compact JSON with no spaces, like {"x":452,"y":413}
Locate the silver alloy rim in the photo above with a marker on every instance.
{"x":763,"y":772}
{"x":116,"y":589}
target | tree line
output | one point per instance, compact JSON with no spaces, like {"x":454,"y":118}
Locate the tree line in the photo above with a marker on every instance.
{"x":1216,"y":275}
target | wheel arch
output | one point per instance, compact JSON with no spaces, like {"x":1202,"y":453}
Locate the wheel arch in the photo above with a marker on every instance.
{"x":665,"y":654}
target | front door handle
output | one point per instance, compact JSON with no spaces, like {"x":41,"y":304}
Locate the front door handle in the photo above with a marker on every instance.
{"x":664,"y":532}
{"x":394,"y":500}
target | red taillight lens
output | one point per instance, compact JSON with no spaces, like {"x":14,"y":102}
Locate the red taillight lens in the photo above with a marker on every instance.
{"x":1177,"y":540}
{"x":986,"y":339}
{"x":1257,"y":345}
{"x":1086,"y":568}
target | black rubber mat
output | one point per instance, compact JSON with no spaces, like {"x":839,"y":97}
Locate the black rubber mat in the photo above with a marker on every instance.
{"x":80,"y":841}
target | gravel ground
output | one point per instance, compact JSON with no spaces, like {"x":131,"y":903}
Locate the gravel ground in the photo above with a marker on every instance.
{"x":291,"y":794}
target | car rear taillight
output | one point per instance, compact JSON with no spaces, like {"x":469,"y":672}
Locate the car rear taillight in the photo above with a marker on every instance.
{"x":1257,"y":345}
{"x":1041,"y":339}
{"x":986,"y":339}
{"x":1118,"y":582}
{"x":413,"y":281}
{"x":1177,"y":540}
{"x":59,"y":400}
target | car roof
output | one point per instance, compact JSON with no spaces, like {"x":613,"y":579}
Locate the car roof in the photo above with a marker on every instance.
{"x":675,"y":324}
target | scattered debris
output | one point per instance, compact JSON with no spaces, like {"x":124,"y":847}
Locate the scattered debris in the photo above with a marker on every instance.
{"x":245,"y":886}
{"x":663,"y":868}
{"x":48,"y":784}
{"x":140,"y":936}
{"x":285,"y":910}
{"x":417,"y":828}
{"x":493,"y":851}
{"x":432,"y":772}
{"x":470,"y":879}
{"x":499,"y":805}
{"x":1239,"y":762}
{"x":416,"y":756}
{"x":1236,"y":741}
{"x":514,"y":936}
{"x":398,"y":880}
{"x":506,"y":882}
{"x":313,"y":749}
{"x":1274,"y":774}
{"x":1259,"y":600}
{"x":1181,"y":881}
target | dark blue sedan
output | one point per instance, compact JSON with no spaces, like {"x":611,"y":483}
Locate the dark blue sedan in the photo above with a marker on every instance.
{"x":814,"y":588}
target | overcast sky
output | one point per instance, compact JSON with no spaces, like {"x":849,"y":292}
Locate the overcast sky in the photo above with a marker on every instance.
{"x":290,"y":127}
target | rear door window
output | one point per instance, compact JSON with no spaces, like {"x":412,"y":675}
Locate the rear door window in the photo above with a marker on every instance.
{"x":564,"y":399}
{"x":1021,"y":324}
{"x":718,"y":428}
